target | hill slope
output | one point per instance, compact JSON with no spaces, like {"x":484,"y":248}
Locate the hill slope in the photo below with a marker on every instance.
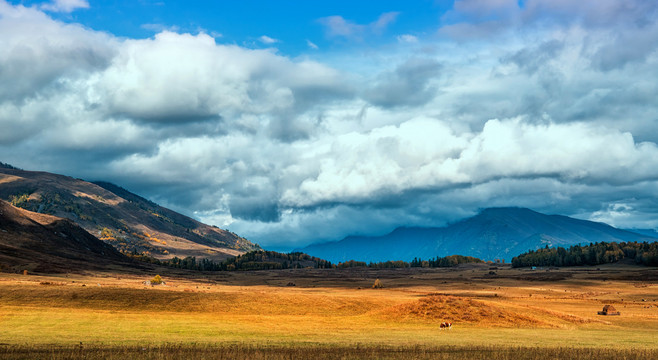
{"x":119,"y":217}
{"x":44,"y":243}
{"x":495,"y":233}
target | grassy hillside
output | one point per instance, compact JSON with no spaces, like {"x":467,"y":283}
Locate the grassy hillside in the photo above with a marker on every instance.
{"x":116,"y":216}
{"x":44,"y":243}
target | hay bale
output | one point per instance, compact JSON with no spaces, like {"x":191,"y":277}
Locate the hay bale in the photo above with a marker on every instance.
{"x":378,"y":284}
{"x":609,"y":310}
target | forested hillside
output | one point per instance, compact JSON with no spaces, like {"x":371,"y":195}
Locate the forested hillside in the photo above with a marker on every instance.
{"x":593,"y":254}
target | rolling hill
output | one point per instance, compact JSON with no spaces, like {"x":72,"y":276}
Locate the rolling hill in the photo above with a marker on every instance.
{"x":495,"y":233}
{"x":45,"y":243}
{"x":123,"y":219}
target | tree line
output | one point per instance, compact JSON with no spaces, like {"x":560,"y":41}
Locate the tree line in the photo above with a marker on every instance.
{"x":272,"y":260}
{"x":7,"y":166}
{"x":593,"y":254}
{"x":446,"y":261}
{"x":253,"y":260}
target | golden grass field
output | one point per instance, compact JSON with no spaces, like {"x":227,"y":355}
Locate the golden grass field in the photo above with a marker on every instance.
{"x":333,"y":312}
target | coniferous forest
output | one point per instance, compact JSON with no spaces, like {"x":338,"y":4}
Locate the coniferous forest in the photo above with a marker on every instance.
{"x":593,"y":254}
{"x":253,"y":260}
{"x":272,"y":260}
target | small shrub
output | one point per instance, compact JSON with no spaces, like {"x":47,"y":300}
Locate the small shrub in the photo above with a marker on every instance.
{"x":157,"y":280}
{"x":377,"y":285}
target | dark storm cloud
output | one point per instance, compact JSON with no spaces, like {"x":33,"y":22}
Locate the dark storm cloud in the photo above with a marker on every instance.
{"x":254,"y":209}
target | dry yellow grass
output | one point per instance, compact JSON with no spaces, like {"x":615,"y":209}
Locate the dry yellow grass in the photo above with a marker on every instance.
{"x":333,"y":308}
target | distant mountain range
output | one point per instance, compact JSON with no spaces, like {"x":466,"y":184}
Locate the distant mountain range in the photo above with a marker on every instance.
{"x":495,"y":233}
{"x":129,"y":223}
{"x":120,"y":218}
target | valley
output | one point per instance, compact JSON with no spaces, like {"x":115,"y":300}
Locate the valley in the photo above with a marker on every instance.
{"x":323,"y":309}
{"x":77,"y":275}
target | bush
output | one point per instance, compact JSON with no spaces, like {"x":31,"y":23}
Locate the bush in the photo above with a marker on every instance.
{"x":157,"y":280}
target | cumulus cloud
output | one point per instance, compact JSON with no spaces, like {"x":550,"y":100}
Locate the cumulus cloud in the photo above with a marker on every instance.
{"x":425,"y":153}
{"x":189,"y":78}
{"x":409,"y":84}
{"x":287,"y":151}
{"x":36,"y":51}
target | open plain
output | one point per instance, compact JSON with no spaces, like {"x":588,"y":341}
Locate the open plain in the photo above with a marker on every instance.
{"x":496,"y":311}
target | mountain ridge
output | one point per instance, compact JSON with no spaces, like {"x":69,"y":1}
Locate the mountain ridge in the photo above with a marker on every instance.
{"x":494,"y":233}
{"x":126,"y":220}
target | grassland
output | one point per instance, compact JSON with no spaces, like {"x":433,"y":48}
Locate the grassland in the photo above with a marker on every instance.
{"x":333,"y":314}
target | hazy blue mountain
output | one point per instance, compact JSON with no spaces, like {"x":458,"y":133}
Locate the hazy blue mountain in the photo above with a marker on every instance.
{"x":645,"y":232}
{"x":495,"y":233}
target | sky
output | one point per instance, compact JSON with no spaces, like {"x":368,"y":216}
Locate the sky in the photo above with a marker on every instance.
{"x":295,"y":122}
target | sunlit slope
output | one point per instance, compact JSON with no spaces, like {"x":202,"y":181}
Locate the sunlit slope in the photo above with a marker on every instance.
{"x":123,"y":219}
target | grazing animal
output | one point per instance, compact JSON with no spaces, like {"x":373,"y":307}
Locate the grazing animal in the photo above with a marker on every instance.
{"x":445,"y":325}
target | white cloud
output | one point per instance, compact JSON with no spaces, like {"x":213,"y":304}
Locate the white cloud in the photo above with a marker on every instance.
{"x":425,"y":154}
{"x":156,"y":28}
{"x":384,"y":21}
{"x":267,"y":40}
{"x":311,"y":45}
{"x":407,"y":38}
{"x":337,"y":26}
{"x":189,"y":78}
{"x":65,"y":6}
{"x":614,"y":214}
{"x":36,"y":51}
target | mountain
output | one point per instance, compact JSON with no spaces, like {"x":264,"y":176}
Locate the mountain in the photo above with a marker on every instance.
{"x":119,"y":217}
{"x":645,"y":232}
{"x":495,"y":233}
{"x":45,"y":243}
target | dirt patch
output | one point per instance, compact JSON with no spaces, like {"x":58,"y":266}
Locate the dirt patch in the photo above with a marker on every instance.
{"x":459,"y":310}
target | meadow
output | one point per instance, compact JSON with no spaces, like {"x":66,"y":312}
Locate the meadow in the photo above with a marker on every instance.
{"x":334,"y":313}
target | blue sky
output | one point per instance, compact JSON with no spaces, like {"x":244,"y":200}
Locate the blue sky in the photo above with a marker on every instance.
{"x":295,"y":122}
{"x":291,"y":23}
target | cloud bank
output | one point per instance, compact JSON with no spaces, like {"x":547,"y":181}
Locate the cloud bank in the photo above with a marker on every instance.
{"x":549,"y":105}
